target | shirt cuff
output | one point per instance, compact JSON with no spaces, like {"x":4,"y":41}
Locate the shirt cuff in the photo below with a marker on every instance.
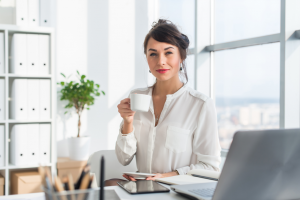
{"x":183,"y":170}
{"x":131,"y":134}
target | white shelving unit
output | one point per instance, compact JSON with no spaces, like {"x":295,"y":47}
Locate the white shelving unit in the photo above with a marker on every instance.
{"x":9,"y":30}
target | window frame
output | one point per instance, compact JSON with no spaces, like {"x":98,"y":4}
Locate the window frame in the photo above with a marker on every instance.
{"x":289,"y":38}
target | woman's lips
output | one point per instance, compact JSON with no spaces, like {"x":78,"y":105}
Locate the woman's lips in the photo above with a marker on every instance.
{"x":162,"y":71}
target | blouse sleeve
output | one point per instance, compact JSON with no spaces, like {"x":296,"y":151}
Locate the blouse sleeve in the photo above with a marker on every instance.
{"x":125,"y":146}
{"x":206,"y":141}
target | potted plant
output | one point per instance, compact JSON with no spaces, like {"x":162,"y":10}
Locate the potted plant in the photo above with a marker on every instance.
{"x":80,"y":95}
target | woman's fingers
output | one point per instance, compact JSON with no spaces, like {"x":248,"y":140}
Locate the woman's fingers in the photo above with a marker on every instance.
{"x":129,"y":177}
{"x":126,"y":110}
{"x":127,"y":100}
{"x":127,"y":106}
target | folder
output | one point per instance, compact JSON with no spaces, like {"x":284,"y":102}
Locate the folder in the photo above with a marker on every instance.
{"x":45,"y":12}
{"x":32,"y":54}
{"x":33,"y":143}
{"x":45,"y":98}
{"x":45,"y":142}
{"x":44,"y":52}
{"x":33,"y":13}
{"x":33,"y":99}
{"x":19,"y":54}
{"x":2,"y":65}
{"x":21,"y":12}
{"x":2,"y":145}
{"x":18,"y":145}
{"x":2,"y":99}
{"x":19,"y":98}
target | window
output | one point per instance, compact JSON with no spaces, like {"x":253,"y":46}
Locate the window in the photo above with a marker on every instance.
{"x":241,"y":19}
{"x":247,"y":89}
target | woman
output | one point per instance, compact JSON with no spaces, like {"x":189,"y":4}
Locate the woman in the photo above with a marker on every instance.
{"x":179,"y":132}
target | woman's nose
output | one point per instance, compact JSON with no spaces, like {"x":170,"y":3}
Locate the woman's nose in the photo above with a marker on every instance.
{"x":161,"y":60}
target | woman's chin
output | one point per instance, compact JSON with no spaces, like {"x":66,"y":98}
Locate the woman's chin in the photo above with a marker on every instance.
{"x":163,"y":77}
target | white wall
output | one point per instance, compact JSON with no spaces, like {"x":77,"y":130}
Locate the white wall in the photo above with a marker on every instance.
{"x":103,"y":39}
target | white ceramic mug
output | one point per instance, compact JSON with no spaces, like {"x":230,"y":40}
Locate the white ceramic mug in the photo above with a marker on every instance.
{"x":140,"y":102}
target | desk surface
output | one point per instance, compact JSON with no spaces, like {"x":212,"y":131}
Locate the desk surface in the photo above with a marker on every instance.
{"x":122,"y":194}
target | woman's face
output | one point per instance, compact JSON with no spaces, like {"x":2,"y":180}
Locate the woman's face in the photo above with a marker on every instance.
{"x":163,"y":59}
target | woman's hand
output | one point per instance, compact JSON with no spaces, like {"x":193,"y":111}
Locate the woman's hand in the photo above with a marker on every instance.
{"x":158,"y":175}
{"x":130,"y":178}
{"x":124,"y":109}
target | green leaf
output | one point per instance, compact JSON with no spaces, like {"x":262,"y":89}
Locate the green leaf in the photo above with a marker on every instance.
{"x":103,"y":92}
{"x":66,"y":112}
{"x":63,"y":75}
{"x":62,"y":83}
{"x":83,"y":76}
{"x":78,"y":72}
{"x":97,"y":85}
{"x":87,"y":108}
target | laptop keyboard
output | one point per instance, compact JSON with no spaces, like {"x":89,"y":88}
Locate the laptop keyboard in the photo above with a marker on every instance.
{"x":206,"y":192}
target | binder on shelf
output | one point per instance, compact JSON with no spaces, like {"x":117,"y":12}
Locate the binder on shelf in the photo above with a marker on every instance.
{"x":45,"y":138}
{"x":2,"y":99}
{"x":21,"y":12}
{"x":45,"y":98}
{"x":19,"y":54}
{"x":45,"y":12}
{"x":18,"y":145}
{"x":32,"y":54}
{"x":2,"y":66}
{"x":44,"y":52}
{"x":19,"y":99}
{"x":2,"y":145}
{"x":33,"y":143}
{"x":33,"y":13}
{"x":33,"y":99}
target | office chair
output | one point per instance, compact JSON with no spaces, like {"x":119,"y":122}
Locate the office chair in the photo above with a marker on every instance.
{"x":113,"y":169}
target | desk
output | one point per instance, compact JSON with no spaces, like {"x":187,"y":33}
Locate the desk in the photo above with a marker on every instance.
{"x":122,"y":194}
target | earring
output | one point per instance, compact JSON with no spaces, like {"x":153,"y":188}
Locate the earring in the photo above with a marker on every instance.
{"x":149,"y":71}
{"x":180,"y":68}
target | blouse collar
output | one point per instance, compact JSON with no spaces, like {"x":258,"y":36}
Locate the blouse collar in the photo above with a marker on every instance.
{"x":171,"y":96}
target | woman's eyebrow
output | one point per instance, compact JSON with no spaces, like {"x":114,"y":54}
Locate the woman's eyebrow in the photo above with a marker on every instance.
{"x":168,"y":48}
{"x":164,"y":49}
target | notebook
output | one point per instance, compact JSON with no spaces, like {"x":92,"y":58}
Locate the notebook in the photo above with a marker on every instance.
{"x":189,"y":179}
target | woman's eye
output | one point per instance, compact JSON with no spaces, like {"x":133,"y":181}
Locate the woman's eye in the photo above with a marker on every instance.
{"x":169,"y":52}
{"x":152,"y":54}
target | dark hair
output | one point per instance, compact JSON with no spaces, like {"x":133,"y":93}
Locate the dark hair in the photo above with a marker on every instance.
{"x":166,"y":31}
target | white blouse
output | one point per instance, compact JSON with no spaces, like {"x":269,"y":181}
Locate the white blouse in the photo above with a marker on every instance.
{"x":185,"y":138}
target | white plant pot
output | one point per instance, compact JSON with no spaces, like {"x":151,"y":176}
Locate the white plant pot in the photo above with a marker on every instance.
{"x":79,"y":148}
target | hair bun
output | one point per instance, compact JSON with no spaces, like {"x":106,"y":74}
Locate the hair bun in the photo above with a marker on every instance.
{"x":185,"y":38}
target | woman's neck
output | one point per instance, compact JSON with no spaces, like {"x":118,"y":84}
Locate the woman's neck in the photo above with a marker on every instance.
{"x":163,"y":88}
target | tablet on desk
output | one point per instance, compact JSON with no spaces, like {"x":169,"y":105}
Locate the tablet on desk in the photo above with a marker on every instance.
{"x":137,"y":175}
{"x":142,"y":187}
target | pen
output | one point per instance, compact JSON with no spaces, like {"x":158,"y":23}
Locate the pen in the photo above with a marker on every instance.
{"x":209,"y":178}
{"x":71,"y":185}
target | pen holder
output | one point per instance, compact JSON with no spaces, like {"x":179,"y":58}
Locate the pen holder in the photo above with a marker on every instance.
{"x":89,"y":194}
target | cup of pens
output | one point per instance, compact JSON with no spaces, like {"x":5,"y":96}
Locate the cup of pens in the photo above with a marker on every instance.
{"x":66,"y":189}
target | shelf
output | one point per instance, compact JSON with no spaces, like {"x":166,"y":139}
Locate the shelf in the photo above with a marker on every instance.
{"x":29,"y":76}
{"x":11,"y":166}
{"x":29,"y":121}
{"x":8,"y":31}
{"x":19,"y":29}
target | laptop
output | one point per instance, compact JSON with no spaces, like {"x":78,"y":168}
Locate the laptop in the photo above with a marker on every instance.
{"x":263,"y":164}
